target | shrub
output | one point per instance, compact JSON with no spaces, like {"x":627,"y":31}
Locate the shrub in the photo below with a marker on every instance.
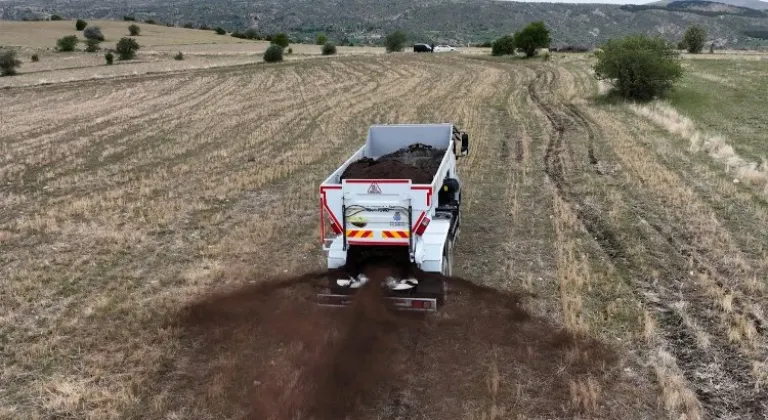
{"x":503,"y":46}
{"x":694,"y":39}
{"x":712,"y":48}
{"x":486,"y":44}
{"x":56,"y":17}
{"x":188,"y":25}
{"x":321,"y":39}
{"x":134,"y":30}
{"x":150,"y":22}
{"x":92,"y":45}
{"x":273,"y":54}
{"x":35,"y":58}
{"x":639,"y":67}
{"x":290,"y":50}
{"x":126,"y":48}
{"x":329,"y":48}
{"x":129,"y":18}
{"x":532,"y":37}
{"x":80,"y":24}
{"x":220,"y":31}
{"x":395,"y":41}
{"x":67,"y":43}
{"x":204,"y":27}
{"x":179,"y":56}
{"x":110,"y":58}
{"x":93,"y":32}
{"x":8,"y":63}
{"x":281,"y":39}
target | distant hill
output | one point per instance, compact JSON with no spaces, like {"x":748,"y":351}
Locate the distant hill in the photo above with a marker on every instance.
{"x":751,"y":4}
{"x":457,"y":22}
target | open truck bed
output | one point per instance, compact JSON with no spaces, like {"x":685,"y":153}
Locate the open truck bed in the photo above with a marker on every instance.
{"x":395,"y":201}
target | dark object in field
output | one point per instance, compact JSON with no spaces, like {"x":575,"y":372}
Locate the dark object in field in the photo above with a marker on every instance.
{"x":418,"y":162}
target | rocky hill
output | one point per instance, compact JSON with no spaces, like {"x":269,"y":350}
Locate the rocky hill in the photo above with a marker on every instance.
{"x":442,"y":21}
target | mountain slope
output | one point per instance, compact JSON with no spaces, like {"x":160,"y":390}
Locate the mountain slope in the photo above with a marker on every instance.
{"x":367,"y":21}
{"x":752,"y":4}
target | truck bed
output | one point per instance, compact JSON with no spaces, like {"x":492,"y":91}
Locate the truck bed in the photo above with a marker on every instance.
{"x":418,"y":162}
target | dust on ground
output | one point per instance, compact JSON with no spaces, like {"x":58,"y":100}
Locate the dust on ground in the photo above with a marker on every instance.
{"x":266,"y":351}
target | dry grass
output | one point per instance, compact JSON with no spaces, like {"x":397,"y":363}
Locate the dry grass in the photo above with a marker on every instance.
{"x":124,"y":198}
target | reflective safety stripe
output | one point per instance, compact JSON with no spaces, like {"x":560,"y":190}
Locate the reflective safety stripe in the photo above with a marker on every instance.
{"x":356,"y":233}
{"x":394,"y":234}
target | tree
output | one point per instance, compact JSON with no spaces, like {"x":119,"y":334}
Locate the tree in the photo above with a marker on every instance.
{"x":329,"y":48}
{"x":67,"y":43}
{"x":503,"y":46}
{"x":532,"y":37}
{"x":56,"y":17}
{"x":694,"y":39}
{"x":110,"y":58}
{"x":281,"y":39}
{"x":93,"y":32}
{"x":321,"y":39}
{"x":395,"y":41}
{"x":92,"y":45}
{"x":273,"y":54}
{"x":134,"y":30}
{"x":126,"y":48}
{"x":8,"y":63}
{"x":639,"y":67}
{"x":220,"y":31}
{"x":80,"y":24}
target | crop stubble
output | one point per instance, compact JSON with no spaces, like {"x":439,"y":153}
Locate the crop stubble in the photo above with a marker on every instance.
{"x":116,"y":215}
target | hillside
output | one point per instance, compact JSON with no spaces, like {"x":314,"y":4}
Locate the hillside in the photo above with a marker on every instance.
{"x":752,"y":4}
{"x":367,"y":21}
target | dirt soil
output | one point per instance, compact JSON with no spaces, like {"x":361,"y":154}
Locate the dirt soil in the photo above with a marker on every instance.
{"x":418,"y":162}
{"x":267,"y":352}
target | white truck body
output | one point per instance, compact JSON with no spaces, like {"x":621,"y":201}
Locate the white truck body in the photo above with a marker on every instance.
{"x":394,"y":212}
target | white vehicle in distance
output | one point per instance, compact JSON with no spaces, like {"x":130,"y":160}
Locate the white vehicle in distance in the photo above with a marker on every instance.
{"x":444,"y":48}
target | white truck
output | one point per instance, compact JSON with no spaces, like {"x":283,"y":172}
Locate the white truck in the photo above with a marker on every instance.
{"x":404,"y":211}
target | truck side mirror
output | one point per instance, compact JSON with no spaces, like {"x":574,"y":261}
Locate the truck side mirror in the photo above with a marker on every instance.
{"x":464,"y":143}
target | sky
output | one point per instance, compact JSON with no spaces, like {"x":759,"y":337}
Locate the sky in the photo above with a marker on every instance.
{"x":591,"y":1}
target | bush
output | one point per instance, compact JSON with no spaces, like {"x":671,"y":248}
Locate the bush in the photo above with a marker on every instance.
{"x":35,"y":58}
{"x":503,"y":46}
{"x":67,"y":43}
{"x":129,"y":18}
{"x":281,"y":39}
{"x":290,"y":51}
{"x":179,"y":56}
{"x":204,"y":27}
{"x":110,"y":58}
{"x":126,"y":48}
{"x":329,"y":48}
{"x":639,"y":67}
{"x":694,"y":39}
{"x":56,"y":17}
{"x":220,"y":31}
{"x":188,"y":25}
{"x":532,"y":37}
{"x":93,"y":32}
{"x":150,"y":22}
{"x":92,"y":45}
{"x":8,"y":63}
{"x":395,"y":41}
{"x":321,"y":39}
{"x":273,"y":54}
{"x":80,"y":24}
{"x":134,"y":30}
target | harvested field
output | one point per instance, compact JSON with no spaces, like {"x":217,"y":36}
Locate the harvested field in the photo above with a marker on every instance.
{"x":145,"y":219}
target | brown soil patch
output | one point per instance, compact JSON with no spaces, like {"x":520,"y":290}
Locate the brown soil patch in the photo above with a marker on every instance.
{"x":418,"y":162}
{"x":267,"y":352}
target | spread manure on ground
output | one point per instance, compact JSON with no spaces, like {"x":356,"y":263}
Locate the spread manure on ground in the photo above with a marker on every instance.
{"x":266,"y":351}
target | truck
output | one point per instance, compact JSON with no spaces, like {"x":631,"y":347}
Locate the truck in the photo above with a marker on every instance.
{"x":397,"y":199}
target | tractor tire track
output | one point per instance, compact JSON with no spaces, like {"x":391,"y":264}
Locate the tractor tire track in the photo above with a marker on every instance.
{"x":740,"y":396}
